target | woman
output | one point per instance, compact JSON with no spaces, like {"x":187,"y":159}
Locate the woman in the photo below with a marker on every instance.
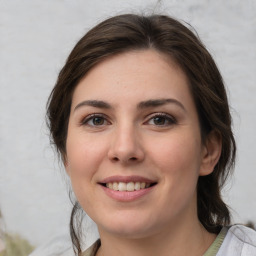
{"x":140,"y":117}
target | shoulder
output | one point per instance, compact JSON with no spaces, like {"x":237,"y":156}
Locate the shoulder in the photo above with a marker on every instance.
{"x":239,"y":240}
{"x":243,"y":233}
{"x":92,"y":250}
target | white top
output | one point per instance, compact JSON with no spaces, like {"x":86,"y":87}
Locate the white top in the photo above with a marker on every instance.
{"x":239,"y":241}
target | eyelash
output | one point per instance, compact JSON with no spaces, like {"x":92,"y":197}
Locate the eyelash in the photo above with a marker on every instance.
{"x":89,"y":118}
{"x":170,"y":119}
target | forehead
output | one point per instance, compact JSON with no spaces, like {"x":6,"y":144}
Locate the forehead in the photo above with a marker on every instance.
{"x":133,"y":75}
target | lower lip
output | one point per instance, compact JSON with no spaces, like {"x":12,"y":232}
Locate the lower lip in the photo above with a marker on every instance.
{"x":127,"y":196}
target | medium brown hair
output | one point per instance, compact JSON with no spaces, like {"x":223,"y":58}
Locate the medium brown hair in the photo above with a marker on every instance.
{"x":167,"y":35}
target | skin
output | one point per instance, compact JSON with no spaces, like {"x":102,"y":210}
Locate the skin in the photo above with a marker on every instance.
{"x":161,"y":143}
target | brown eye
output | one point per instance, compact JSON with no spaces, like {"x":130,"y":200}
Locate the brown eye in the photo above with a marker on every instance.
{"x":95,"y":120}
{"x":98,"y":121}
{"x":161,"y":119}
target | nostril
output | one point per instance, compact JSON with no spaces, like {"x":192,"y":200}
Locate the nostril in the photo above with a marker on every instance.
{"x":115,"y":159}
{"x":131,"y":159}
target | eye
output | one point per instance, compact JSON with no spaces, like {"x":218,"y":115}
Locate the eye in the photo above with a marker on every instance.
{"x":161,"y":119}
{"x":95,"y":120}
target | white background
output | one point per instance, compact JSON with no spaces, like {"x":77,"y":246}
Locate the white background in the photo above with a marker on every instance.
{"x":36,"y":36}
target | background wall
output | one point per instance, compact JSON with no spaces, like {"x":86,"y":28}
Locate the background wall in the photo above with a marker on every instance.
{"x":35,"y":39}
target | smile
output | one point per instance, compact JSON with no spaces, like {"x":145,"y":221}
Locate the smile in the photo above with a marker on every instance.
{"x":128,"y":186}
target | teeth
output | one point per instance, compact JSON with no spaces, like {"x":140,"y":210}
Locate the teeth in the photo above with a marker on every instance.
{"x":137,"y":186}
{"x":142,"y":185}
{"x":115,"y":186}
{"x":130,"y":186}
{"x":122,"y":186}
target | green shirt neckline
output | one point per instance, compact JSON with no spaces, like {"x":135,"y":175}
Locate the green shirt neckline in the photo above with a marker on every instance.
{"x":215,"y":246}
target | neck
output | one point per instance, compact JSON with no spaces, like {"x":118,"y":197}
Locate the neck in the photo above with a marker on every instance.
{"x":177,"y":239}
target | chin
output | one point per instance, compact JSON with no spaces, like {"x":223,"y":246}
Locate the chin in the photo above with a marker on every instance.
{"x":133,"y":228}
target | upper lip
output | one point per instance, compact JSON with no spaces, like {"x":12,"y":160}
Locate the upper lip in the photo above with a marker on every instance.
{"x":126,"y":179}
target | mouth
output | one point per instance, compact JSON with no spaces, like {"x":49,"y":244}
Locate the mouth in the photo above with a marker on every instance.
{"x":128,"y":186}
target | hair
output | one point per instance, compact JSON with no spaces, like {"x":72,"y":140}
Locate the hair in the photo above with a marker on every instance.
{"x":170,"y":37}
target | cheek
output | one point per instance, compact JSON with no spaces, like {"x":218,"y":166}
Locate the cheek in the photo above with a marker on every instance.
{"x":84,"y":159}
{"x":178,"y":159}
{"x":177,"y":150}
{"x":84,"y":156}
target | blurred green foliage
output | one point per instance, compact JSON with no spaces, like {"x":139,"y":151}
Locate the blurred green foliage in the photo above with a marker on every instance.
{"x":16,"y":246}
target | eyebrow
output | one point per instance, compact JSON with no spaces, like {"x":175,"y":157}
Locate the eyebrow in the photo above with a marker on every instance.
{"x":159,"y":102}
{"x":142,"y":105}
{"x":93,"y":103}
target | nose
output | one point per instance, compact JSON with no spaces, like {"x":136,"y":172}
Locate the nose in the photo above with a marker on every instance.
{"x":126,"y":146}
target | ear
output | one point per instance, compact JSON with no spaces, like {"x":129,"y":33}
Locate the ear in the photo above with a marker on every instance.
{"x":211,"y":153}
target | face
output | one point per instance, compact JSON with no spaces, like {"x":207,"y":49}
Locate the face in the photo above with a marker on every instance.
{"x":134,"y":150}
